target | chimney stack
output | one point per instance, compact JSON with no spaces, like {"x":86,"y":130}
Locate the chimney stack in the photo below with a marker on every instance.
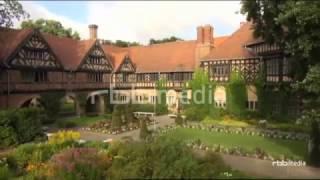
{"x":208,"y":34}
{"x":200,"y":34}
{"x":205,"y":34}
{"x":93,"y":31}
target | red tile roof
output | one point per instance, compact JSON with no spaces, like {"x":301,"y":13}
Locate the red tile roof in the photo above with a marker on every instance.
{"x":10,"y":39}
{"x":69,"y":51}
{"x":233,"y":46}
{"x":165,"y":57}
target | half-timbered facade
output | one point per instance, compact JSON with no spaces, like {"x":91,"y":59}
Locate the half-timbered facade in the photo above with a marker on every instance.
{"x":32,"y":62}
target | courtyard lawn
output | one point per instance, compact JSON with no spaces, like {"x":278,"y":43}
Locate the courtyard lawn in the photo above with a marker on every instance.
{"x":275,"y":147}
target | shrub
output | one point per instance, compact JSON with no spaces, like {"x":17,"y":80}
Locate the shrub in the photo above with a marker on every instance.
{"x":8,"y":137}
{"x":82,"y":163}
{"x":52,"y":104}
{"x":19,"y":126}
{"x":5,"y":172}
{"x":27,"y":124}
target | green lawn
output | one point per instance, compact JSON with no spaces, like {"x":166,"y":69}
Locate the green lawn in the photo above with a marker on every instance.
{"x":274,"y":147}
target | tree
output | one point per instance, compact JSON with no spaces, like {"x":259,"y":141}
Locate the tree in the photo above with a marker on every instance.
{"x":116,"y":117}
{"x":290,"y":24}
{"x":179,"y":120}
{"x":10,"y":10}
{"x":293,"y":26}
{"x":129,"y":116}
{"x":144,"y":132}
{"x":52,"y":27}
{"x":120,"y":43}
{"x":51,"y":102}
{"x":164,"y":40}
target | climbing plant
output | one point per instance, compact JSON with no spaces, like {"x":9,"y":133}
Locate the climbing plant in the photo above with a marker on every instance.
{"x":161,"y":101}
{"x":202,"y":100}
{"x":236,"y":95}
{"x":273,"y":100}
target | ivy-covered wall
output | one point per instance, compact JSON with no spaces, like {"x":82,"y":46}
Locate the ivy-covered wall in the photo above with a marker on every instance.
{"x":236,"y":95}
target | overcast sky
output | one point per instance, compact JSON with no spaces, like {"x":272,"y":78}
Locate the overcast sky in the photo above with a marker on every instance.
{"x":140,"y":20}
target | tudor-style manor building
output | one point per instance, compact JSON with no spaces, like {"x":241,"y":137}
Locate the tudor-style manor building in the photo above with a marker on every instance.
{"x":32,"y":62}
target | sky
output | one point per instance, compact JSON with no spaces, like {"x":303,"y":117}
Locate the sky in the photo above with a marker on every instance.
{"x":139,"y":20}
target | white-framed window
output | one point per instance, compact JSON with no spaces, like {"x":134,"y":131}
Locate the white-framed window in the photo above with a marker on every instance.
{"x":252,"y":105}
{"x":153,"y":99}
{"x":220,"y":104}
{"x":170,"y":100}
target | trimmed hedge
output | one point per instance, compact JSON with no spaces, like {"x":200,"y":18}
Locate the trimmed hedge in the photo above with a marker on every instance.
{"x":19,"y":126}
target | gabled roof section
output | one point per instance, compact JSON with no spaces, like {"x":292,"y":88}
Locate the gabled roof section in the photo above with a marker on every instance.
{"x":10,"y":40}
{"x":126,"y":65}
{"x":234,"y":46}
{"x":70,"y":52}
{"x":117,"y":55}
{"x":96,"y":60}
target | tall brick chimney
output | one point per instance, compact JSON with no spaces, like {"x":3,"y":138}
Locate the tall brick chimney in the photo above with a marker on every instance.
{"x":205,"y":43}
{"x":200,"y":34}
{"x":93,"y":31}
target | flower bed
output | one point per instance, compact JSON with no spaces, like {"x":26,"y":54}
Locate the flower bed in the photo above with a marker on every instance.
{"x":246,"y":131}
{"x":105,"y":127}
{"x":238,"y":151}
{"x":252,"y":131}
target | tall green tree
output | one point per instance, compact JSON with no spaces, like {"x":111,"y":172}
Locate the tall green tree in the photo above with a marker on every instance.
{"x":52,"y":27}
{"x":116,"y":117}
{"x":292,"y":24}
{"x":52,"y":103}
{"x":9,"y":11}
